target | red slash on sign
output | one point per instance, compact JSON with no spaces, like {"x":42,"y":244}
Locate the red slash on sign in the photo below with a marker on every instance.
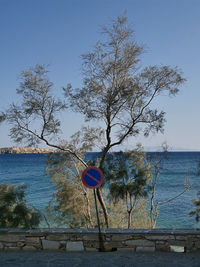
{"x":92,"y":177}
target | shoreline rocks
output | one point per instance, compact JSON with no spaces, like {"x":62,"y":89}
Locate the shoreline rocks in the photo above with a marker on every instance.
{"x":24,"y":150}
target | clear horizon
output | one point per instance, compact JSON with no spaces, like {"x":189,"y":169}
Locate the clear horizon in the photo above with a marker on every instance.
{"x":58,"y":32}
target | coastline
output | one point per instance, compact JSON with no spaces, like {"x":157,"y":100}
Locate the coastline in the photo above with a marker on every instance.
{"x":25,"y":150}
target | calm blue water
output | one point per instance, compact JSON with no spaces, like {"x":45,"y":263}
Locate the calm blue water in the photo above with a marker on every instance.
{"x":30,"y":170}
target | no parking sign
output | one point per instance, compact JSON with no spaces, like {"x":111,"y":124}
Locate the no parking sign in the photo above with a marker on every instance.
{"x":92,"y":177}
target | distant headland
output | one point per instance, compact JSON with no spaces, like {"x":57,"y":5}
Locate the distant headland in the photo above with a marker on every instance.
{"x":24,"y":150}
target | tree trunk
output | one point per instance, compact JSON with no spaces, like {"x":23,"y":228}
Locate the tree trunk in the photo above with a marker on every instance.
{"x":99,"y":195}
{"x":89,"y":218}
{"x":129,"y":219}
{"x":103,"y":205}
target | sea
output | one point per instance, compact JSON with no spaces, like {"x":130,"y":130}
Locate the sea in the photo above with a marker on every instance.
{"x":178,"y":168}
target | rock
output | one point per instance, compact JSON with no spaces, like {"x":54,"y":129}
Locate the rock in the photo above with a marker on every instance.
{"x":11,"y":238}
{"x":177,"y":243}
{"x":158,"y":237}
{"x":58,"y":237}
{"x":140,"y":243}
{"x":164,"y":248}
{"x":91,"y":237}
{"x":50,"y":245}
{"x":112,"y":244}
{"x":120,"y":237}
{"x":74,"y":246}
{"x":32,"y":240}
{"x":20,"y":244}
{"x":24,"y":150}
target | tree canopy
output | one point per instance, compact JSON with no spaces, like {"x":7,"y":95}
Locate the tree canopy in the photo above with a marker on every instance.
{"x":14,"y":211}
{"x":116,"y":91}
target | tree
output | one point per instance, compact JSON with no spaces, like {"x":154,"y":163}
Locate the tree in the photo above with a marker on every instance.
{"x":72,"y":203}
{"x":115,"y":91}
{"x":128,"y":178}
{"x":196,"y":211}
{"x":35,"y":119}
{"x":14,"y":211}
{"x":157,"y":166}
{"x":196,"y":201}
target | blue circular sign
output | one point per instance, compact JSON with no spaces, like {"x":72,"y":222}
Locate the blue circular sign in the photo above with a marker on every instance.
{"x":92,"y":177}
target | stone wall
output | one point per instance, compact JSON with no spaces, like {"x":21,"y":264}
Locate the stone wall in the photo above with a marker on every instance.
{"x":88,"y":239}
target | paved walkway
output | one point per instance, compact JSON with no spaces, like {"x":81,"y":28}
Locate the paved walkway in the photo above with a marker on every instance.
{"x":97,"y":259}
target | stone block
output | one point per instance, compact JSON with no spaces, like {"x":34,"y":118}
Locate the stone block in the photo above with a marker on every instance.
{"x":160,"y":237}
{"x":145,"y":249}
{"x":75,"y":237}
{"x":177,"y":249}
{"x":116,"y":244}
{"x":177,"y":243}
{"x":140,"y":243}
{"x":164,"y":248}
{"x":11,"y":238}
{"x":50,"y":245}
{"x":74,"y":246}
{"x":122,"y":237}
{"x":32,"y":240}
{"x":20,"y":244}
{"x":9,"y":244}
{"x":189,"y":244}
{"x":181,"y":237}
{"x":36,"y":235}
{"x":29,"y":248}
{"x":161,"y":242}
{"x":136,"y":237}
{"x":63,"y":242}
{"x":91,"y":244}
{"x":58,"y":237}
{"x":91,"y":237}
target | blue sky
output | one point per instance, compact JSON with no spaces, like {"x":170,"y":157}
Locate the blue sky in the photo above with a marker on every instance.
{"x":57,"y":32}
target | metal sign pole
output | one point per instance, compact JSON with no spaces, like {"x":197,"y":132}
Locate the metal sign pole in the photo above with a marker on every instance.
{"x":101,"y":246}
{"x":92,"y":177}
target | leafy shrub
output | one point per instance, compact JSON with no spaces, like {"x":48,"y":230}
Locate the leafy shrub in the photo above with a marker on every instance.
{"x":14,"y":211}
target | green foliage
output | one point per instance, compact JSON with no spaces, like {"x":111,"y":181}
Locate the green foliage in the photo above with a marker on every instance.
{"x":37,"y":104}
{"x":126,"y":180}
{"x":127,"y":173}
{"x":121,"y":95}
{"x":118,"y":215}
{"x":71,"y":204}
{"x":196,"y":212}
{"x":128,"y":177}
{"x":118,"y":93}
{"x":14,"y":211}
{"x":196,"y":201}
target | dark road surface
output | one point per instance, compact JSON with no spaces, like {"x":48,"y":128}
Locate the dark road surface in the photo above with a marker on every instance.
{"x":58,"y":259}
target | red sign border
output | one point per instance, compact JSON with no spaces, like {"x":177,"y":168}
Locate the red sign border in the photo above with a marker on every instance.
{"x":94,"y":168}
